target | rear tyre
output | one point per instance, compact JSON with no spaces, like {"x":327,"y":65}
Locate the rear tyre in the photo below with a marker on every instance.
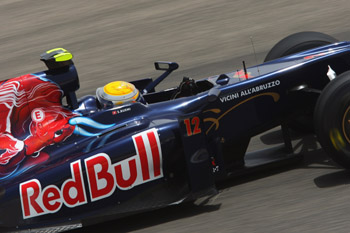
{"x":332,"y":119}
{"x":298,"y":42}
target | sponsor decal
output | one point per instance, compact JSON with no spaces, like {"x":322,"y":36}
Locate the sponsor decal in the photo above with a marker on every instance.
{"x":215,"y":167}
{"x":38,"y":115}
{"x":250,"y":91}
{"x":215,"y":121}
{"x":103,"y":178}
{"x":32,"y":118}
{"x":122,"y":110}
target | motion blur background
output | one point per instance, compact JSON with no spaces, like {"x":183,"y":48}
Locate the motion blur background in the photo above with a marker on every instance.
{"x":120,"y":40}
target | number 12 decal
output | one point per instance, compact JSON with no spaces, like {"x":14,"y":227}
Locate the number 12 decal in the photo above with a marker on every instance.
{"x":192,"y":123}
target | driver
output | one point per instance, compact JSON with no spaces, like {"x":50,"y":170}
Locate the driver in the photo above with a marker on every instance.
{"x":118,"y":93}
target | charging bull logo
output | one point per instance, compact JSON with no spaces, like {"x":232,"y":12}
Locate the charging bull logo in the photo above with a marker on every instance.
{"x":49,"y":126}
{"x":32,"y":117}
{"x":103,"y":178}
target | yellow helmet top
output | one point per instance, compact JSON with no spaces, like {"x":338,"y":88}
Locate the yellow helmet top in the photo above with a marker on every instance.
{"x":118,"y":88}
{"x":118,"y":92}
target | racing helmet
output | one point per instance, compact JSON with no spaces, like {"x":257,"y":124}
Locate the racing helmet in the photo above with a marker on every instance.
{"x":118,"y":93}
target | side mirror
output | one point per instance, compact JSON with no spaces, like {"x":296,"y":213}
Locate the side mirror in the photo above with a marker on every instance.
{"x":165,"y":65}
{"x":168,"y":67}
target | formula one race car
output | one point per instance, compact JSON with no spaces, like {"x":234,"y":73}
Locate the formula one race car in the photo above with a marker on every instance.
{"x":65,"y":162}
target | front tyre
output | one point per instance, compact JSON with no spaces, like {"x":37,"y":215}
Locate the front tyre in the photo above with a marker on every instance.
{"x":332,"y":119}
{"x":295,"y":43}
{"x":299,"y":42}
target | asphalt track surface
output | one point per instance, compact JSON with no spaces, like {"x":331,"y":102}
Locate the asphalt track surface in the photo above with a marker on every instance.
{"x":120,"y":40}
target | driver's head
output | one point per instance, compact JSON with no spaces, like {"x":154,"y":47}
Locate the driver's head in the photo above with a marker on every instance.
{"x":117,"y":93}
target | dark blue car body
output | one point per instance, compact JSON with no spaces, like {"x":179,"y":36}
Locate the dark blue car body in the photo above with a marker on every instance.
{"x":137,"y":157}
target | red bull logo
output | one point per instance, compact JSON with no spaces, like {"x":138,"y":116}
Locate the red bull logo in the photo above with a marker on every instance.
{"x":103,"y":178}
{"x":32,"y":119}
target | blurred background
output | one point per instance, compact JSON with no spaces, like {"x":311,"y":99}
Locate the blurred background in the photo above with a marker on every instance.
{"x":120,"y":40}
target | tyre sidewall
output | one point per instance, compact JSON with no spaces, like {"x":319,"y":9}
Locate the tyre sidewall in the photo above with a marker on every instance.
{"x":332,"y":113}
{"x":298,"y":42}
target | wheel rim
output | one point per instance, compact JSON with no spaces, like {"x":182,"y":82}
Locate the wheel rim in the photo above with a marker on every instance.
{"x":346,"y":124}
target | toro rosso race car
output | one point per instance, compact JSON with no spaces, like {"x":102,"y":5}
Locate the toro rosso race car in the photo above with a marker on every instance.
{"x":66,"y":161}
